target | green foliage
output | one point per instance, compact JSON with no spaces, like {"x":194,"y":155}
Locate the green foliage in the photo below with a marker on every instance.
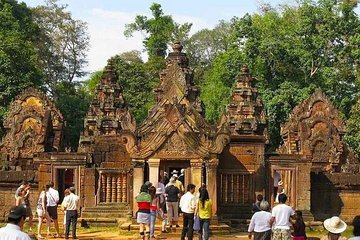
{"x":137,"y":84}
{"x":353,"y":128}
{"x":204,"y":46}
{"x":18,"y":69}
{"x":215,"y":92}
{"x":159,"y":31}
{"x":73,"y":102}
{"x":298,"y":49}
{"x":63,"y":44}
{"x":89,"y":86}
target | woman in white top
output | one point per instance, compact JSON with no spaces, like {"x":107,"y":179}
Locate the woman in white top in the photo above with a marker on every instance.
{"x":41,"y":211}
{"x":260,"y":223}
{"x":356,"y":231}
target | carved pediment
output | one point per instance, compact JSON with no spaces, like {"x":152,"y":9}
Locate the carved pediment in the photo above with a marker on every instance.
{"x":33,"y":124}
{"x":315,"y":129}
{"x":175,"y":124}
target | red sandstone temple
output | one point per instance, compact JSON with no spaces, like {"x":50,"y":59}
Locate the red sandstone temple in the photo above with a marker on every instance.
{"x":115,"y":157}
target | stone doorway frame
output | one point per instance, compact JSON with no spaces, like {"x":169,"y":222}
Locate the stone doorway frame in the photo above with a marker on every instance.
{"x":55,"y":176}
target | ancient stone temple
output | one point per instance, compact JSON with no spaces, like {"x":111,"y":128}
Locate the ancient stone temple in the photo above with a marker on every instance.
{"x":115,"y":157}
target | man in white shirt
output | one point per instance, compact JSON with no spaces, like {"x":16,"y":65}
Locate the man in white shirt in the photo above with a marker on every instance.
{"x":52,"y":197}
{"x":280,"y":219}
{"x":187,"y":205}
{"x":16,"y":219}
{"x":71,"y":205}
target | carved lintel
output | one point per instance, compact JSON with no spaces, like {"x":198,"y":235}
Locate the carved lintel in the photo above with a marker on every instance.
{"x":196,"y":163}
{"x":137,"y":163}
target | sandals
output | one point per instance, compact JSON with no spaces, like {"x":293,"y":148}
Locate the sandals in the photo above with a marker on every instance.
{"x":40,"y":237}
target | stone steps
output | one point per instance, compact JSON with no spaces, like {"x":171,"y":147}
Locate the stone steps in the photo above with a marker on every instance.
{"x":105,"y":214}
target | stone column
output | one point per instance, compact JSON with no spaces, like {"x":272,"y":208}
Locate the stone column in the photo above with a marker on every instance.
{"x":154,"y":170}
{"x":195,"y":179}
{"x":138,"y":179}
{"x":211,"y":168}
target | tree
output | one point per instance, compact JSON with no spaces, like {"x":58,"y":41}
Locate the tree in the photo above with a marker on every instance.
{"x":216,"y":88}
{"x":71,"y":94}
{"x":18,"y":68}
{"x":204,"y":46}
{"x":298,"y":49}
{"x":63,"y":44}
{"x":353,"y":128}
{"x":159,"y":31}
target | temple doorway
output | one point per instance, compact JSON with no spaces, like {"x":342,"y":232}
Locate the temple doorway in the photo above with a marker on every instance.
{"x":65,"y":179}
{"x":176,"y":165}
{"x":285,"y":177}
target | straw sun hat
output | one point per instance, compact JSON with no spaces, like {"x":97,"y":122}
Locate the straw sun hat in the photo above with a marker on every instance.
{"x":335,"y":225}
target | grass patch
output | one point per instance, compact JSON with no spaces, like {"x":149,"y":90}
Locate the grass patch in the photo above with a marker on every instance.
{"x":319,"y":231}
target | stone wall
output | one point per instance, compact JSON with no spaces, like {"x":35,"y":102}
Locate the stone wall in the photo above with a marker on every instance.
{"x":335,"y":194}
{"x":9,"y":183}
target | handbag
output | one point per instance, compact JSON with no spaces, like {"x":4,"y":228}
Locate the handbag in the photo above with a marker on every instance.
{"x":196,"y":226}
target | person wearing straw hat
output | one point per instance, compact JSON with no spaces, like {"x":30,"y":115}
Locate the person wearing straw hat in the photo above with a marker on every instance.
{"x":280,"y":190}
{"x":335,"y":226}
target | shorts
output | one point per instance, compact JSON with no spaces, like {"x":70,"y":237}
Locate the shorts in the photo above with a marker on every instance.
{"x":52,"y":210}
{"x":40,"y":212}
{"x":143,"y":218}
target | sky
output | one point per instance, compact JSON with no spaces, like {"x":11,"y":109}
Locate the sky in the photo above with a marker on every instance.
{"x":107,"y":19}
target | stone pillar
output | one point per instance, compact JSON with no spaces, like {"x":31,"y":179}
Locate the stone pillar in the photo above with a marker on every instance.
{"x":211,"y":168}
{"x":138,"y":179}
{"x":195,"y":165}
{"x":154,"y":170}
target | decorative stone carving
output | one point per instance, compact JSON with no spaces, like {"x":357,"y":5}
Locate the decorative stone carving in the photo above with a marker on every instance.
{"x":33,"y":124}
{"x":107,"y":114}
{"x":175,"y":124}
{"x":315,"y":129}
{"x":245,"y":114}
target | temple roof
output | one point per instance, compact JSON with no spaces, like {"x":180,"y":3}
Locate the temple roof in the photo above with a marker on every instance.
{"x":176,"y":117}
{"x":108,"y":113}
{"x":245,"y":114}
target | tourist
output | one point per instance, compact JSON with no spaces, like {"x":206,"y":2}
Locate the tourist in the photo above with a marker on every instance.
{"x":204,"y":211}
{"x":182,"y":177}
{"x":356,"y":230}
{"x":260,"y":223}
{"x":277,"y":179}
{"x":41,"y":211}
{"x":23,"y":200}
{"x":52,"y":197}
{"x":66,"y":193}
{"x":335,"y":226}
{"x":154,"y":207}
{"x":160,"y":194}
{"x":143,"y":200}
{"x":280,"y":190}
{"x":161,"y":184}
{"x":22,"y":186}
{"x":71,"y":206}
{"x":166,"y":178}
{"x":172,"y":202}
{"x":280,"y":219}
{"x":178,"y":184}
{"x":299,"y":227}
{"x":187,"y":205}
{"x":256,"y":205}
{"x":13,"y":229}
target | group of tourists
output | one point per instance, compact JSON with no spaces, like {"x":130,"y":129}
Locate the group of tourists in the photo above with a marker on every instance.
{"x":276,"y":225}
{"x":166,"y":200}
{"x":46,"y":209}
